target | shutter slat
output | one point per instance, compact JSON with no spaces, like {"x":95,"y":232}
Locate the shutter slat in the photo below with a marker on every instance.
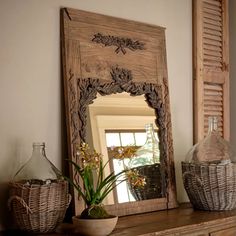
{"x":212,"y":93}
{"x":212,"y":7}
{"x":213,"y":64}
{"x":212,"y":47}
{"x":213,"y":98}
{"x":215,"y":11}
{"x":212,"y":58}
{"x":213,"y":103}
{"x":213,"y":87}
{"x":212,"y":32}
{"x":213,"y":53}
{"x":213,"y":27}
{"x":210,"y":108}
{"x":213,"y":113}
{"x":212,"y":3}
{"x":212,"y":17}
{"x":212,"y":22}
{"x":212,"y":37}
{"x":212,"y":42}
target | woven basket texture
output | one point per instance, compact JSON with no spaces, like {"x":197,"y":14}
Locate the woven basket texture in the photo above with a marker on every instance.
{"x":153,"y":187}
{"x":210,"y":187}
{"x":39,"y":208}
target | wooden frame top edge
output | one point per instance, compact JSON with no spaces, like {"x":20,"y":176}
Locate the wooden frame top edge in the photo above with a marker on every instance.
{"x":72,"y":15}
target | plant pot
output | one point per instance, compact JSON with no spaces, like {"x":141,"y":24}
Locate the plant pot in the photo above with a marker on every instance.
{"x":94,"y":227}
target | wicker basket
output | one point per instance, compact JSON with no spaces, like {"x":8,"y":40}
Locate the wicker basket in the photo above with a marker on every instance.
{"x":39,"y":208}
{"x":210,"y":186}
{"x":153,"y":187}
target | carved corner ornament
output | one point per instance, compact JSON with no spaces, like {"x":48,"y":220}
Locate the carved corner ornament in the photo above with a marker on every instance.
{"x":120,"y":43}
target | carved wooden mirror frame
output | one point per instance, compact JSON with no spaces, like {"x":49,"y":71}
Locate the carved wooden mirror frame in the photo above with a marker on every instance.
{"x":80,"y":90}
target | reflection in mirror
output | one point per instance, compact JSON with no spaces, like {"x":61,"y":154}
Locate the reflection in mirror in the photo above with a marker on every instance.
{"x":116,"y":128}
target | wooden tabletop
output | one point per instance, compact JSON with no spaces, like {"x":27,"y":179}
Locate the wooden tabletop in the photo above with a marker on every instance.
{"x":155,"y":223}
{"x":171,"y":221}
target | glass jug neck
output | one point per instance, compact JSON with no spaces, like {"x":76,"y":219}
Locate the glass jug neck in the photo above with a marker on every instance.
{"x":39,"y":148}
{"x":212,"y":124}
{"x":149,"y":132}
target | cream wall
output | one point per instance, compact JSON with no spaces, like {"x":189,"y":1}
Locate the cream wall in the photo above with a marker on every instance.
{"x":30,"y":88}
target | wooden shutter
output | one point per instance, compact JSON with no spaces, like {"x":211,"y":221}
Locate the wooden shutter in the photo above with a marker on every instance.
{"x":211,"y":60}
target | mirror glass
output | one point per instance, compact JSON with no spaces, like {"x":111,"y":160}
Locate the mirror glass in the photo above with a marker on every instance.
{"x":115,"y":125}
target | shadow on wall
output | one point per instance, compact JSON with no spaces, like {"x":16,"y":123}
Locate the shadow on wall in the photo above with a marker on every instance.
{"x":9,"y":164}
{"x":6,"y":222}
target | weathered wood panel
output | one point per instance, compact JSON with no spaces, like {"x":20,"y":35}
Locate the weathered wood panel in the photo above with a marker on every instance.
{"x":211,"y":61}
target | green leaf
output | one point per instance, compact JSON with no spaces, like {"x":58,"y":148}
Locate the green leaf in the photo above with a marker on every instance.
{"x":86,"y":187}
{"x":110,"y":188}
{"x":77,"y":187}
{"x":107,"y":184}
{"x":77,"y":167}
{"x":85,"y":175}
{"x":101,"y":173}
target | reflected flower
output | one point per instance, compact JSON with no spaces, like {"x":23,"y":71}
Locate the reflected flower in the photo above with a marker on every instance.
{"x":135,"y":179}
{"x":124,"y":152}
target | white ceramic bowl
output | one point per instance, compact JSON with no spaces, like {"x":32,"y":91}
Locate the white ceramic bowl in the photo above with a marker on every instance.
{"x":94,"y":227}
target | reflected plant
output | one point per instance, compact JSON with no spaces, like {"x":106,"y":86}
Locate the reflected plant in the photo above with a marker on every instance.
{"x":135,"y":179}
{"x":124,"y":152}
{"x":94,"y":185}
{"x":128,"y":153}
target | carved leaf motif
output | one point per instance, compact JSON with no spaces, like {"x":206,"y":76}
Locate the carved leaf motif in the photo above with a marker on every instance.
{"x":88,"y":92}
{"x":73,"y":111}
{"x":120,"y":43}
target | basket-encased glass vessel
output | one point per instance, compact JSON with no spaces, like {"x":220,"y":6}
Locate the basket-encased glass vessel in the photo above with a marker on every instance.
{"x":212,"y":149}
{"x":209,"y":172}
{"x":38,"y":168}
{"x":38,"y":196}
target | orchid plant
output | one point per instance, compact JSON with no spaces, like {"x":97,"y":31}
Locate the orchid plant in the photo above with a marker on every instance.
{"x":95,"y":186}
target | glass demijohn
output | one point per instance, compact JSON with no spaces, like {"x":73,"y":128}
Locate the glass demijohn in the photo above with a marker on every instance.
{"x":213,"y":148}
{"x":149,"y":153}
{"x":38,"y":168}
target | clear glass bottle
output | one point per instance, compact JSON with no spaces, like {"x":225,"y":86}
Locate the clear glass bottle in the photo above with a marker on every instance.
{"x":38,"y":169}
{"x":149,"y":153}
{"x":213,"y":148}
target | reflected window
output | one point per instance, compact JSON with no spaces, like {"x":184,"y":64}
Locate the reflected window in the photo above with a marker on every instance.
{"x":118,"y":139}
{"x":115,"y":138}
